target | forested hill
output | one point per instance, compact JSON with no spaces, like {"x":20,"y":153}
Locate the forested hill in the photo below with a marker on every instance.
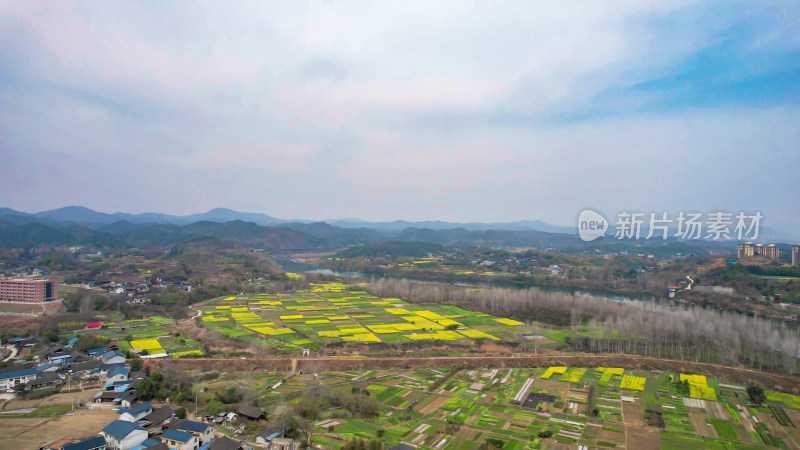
{"x":356,"y":242}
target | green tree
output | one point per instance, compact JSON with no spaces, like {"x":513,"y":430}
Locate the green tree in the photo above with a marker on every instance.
{"x":756,"y":394}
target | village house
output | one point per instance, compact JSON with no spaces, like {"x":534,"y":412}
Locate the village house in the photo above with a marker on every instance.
{"x":83,"y":369}
{"x":117,"y":374}
{"x":93,"y":443}
{"x":118,"y":398}
{"x":154,"y":422}
{"x":9,"y":380}
{"x":180,"y":440}
{"x":251,"y":413}
{"x":48,"y":367}
{"x":135,"y":412}
{"x":266,"y":436}
{"x":203,"y":431}
{"x":45,"y":380}
{"x":284,"y":444}
{"x":226,"y":443}
{"x":113,"y":357}
{"x":122,"y":435}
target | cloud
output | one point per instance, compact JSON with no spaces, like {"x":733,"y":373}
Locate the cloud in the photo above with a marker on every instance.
{"x":417,"y":110}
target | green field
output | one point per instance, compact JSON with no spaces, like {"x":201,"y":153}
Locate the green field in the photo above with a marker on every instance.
{"x":333,"y":313}
{"x":459,"y":409}
{"x":123,"y":332}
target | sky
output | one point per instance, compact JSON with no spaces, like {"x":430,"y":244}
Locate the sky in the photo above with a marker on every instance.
{"x":457,"y":111}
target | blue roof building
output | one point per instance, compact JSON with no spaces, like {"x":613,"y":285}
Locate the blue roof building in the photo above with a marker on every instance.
{"x":12,"y":378}
{"x":175,"y":439}
{"x":96,"y":352}
{"x":137,"y":408}
{"x":191,"y":425}
{"x":179,"y":436}
{"x":121,"y":370}
{"x":135,"y":412}
{"x":61,"y":359}
{"x":203,"y":431}
{"x":151,"y":443}
{"x":121,"y":429}
{"x":48,"y":366}
{"x":113,"y":356}
{"x":93,"y":443}
{"x":106,"y":367}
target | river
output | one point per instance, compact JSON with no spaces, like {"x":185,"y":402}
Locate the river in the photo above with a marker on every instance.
{"x":295,"y":266}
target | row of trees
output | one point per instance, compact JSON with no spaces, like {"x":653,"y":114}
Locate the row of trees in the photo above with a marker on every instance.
{"x":632,"y":327}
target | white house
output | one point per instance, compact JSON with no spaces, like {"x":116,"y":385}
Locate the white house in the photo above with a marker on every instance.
{"x":136,"y":412}
{"x":10,"y":379}
{"x":117,"y":374}
{"x":121,"y":435}
{"x":113,"y":357}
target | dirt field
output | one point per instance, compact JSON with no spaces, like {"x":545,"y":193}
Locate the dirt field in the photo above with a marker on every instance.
{"x":632,"y":413}
{"x":641,"y":437}
{"x":433,"y":405}
{"x":702,"y":428}
{"x":58,"y":399}
{"x":718,"y":410}
{"x":31,"y":308}
{"x":32,"y":433}
{"x":612,"y":436}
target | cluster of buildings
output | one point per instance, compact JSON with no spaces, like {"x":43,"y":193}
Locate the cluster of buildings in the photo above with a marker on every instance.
{"x":141,"y":426}
{"x":138,"y":425}
{"x":771,"y":251}
{"x":748,"y":249}
{"x":56,"y":365}
{"x":140,"y":288}
{"x":29,"y":290}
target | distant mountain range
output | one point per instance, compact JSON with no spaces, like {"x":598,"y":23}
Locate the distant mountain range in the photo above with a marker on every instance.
{"x":81,"y":215}
{"x":75,"y":225}
{"x":85,"y":216}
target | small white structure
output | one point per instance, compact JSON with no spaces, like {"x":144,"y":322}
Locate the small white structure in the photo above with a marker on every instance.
{"x":113,"y":357}
{"x":136,"y":412}
{"x":121,"y":435}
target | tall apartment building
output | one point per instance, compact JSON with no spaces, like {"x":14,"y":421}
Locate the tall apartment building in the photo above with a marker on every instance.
{"x":747,"y":250}
{"x":796,"y":255}
{"x":771,"y":251}
{"x":29,"y":290}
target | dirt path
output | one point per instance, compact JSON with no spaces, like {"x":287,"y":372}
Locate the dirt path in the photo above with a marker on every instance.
{"x":199,"y":313}
{"x":13,"y":353}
